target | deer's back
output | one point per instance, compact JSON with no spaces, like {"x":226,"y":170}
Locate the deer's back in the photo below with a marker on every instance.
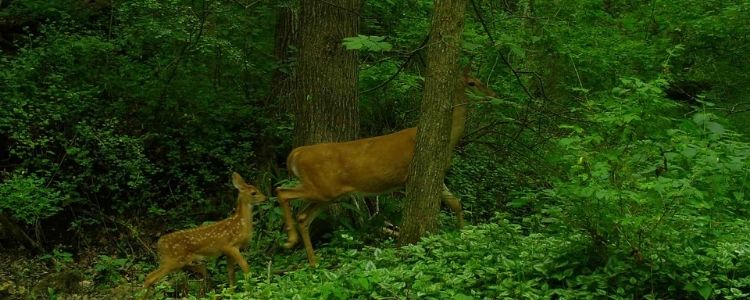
{"x":207,"y":240}
{"x":371,"y":165}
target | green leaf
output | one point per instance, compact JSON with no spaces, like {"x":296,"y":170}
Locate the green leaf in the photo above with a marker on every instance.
{"x":352,"y":44}
{"x":701,"y":118}
{"x":630,"y":117}
{"x":705,"y":290}
{"x":367,"y":43}
{"x":715,"y":128}
{"x":689,"y":152}
{"x":517,"y":50}
{"x":574,"y":128}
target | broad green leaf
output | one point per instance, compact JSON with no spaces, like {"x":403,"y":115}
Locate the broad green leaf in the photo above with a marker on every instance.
{"x":705,"y":290}
{"x":715,"y":128}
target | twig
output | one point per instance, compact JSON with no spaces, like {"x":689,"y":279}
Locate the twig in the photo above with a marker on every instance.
{"x":132,"y":230}
{"x":400,"y":68}
{"x":348,"y":10}
{"x":59,"y":165}
{"x":176,"y":62}
{"x":268,"y":272}
{"x":494,"y":65}
{"x":505,"y":60}
{"x":734,"y":110}
{"x":245,"y":6}
{"x":538,"y":80}
{"x":481,"y":131}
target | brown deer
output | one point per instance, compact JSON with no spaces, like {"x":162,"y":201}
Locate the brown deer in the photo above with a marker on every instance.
{"x":376,"y":165}
{"x":187,"y":248}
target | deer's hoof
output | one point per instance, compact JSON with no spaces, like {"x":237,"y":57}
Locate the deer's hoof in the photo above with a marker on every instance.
{"x":290,"y":243}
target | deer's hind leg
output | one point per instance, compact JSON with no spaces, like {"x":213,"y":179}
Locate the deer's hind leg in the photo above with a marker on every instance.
{"x":304,"y":219}
{"x":454,"y":203}
{"x":165,"y":267}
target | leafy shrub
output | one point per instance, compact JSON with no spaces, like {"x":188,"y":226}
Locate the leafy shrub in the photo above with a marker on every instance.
{"x":109,"y":269}
{"x":133,"y":116}
{"x":29,"y":198}
{"x":60,"y":258}
{"x":643,"y":186}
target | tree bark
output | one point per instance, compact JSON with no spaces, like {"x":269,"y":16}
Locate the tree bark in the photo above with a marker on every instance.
{"x":326,"y":79}
{"x":326,"y":76}
{"x":285,"y":37}
{"x":279,"y":102}
{"x":432,"y":152}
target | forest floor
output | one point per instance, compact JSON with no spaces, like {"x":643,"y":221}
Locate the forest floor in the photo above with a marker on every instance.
{"x":91,"y":275}
{"x":48,"y":277}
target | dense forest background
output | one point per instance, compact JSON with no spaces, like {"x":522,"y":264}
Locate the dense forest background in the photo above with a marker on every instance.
{"x":613,"y":162}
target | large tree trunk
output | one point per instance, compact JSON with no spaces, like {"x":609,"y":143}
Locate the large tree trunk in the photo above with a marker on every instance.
{"x":325,"y":96}
{"x":432,"y":151}
{"x":326,"y":79}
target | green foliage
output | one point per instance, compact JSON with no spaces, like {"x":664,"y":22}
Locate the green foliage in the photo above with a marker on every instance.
{"x":587,"y":182}
{"x":367,"y":43}
{"x":28,"y":198}
{"x":472,"y":264}
{"x":60,"y":258}
{"x":481,"y":181}
{"x":138,"y":115}
{"x":109,"y":269}
{"x":647,"y":190}
{"x":497,"y":261}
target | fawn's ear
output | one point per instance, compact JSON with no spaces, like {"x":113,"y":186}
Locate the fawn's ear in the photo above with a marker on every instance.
{"x":237,"y":180}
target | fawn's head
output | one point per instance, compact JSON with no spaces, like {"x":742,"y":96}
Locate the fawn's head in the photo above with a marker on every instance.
{"x":249,"y":194}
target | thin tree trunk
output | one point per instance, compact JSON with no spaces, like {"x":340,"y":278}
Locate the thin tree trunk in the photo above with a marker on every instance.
{"x":279,"y":102}
{"x":432,"y":151}
{"x":285,"y":37}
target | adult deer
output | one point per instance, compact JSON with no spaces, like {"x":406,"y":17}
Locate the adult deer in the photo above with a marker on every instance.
{"x":376,"y":165}
{"x":185,"y":248}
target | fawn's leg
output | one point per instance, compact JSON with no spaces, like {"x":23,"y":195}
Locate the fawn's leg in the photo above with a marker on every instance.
{"x":230,"y":270}
{"x":165,"y":267}
{"x":233,"y":253}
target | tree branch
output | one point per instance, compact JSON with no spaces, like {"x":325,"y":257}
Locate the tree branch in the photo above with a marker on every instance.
{"x":515,"y":72}
{"x":400,"y":68}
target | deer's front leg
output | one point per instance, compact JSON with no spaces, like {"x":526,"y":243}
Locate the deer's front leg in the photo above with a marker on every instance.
{"x":286,"y":194}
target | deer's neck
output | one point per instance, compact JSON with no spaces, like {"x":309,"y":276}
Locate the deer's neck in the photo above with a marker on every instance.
{"x":245,"y":212}
{"x":458,"y":120}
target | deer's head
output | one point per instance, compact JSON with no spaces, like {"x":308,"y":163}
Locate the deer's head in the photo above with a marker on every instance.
{"x":249,"y":194}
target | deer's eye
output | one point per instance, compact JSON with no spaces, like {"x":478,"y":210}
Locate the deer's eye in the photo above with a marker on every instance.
{"x":472,"y":83}
{"x":254,"y":193}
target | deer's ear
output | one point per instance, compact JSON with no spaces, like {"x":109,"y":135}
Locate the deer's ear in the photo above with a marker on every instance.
{"x":237,"y":180}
